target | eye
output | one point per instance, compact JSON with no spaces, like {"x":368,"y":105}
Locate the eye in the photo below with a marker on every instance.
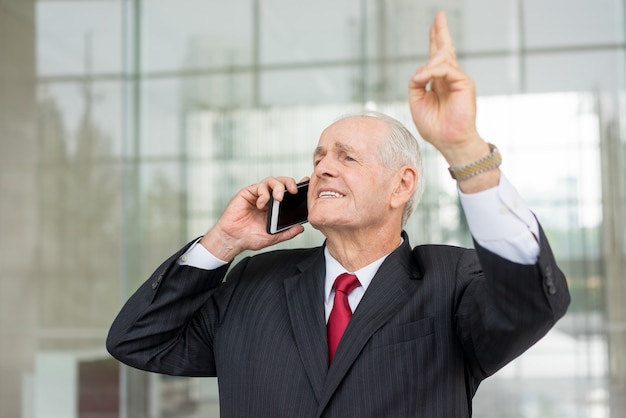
{"x":347,"y":157}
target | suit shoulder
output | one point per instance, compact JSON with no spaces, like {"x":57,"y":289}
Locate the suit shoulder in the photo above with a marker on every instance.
{"x":442,"y":250}
{"x":292,"y":254}
{"x":282,"y":261}
{"x":444,"y":257}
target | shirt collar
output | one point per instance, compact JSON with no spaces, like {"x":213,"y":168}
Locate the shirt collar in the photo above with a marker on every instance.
{"x":334,"y":269}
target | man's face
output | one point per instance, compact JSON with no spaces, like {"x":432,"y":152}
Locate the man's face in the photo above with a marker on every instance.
{"x":350,"y":188}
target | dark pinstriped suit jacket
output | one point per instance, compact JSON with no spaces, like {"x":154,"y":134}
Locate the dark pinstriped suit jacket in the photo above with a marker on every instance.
{"x":433,"y":323}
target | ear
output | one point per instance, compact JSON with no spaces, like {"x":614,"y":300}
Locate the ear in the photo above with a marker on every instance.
{"x":405,"y":184}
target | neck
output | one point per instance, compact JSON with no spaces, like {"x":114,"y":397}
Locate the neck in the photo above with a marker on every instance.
{"x":355,"y":250}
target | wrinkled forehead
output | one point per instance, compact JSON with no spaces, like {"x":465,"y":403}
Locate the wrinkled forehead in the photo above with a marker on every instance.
{"x":354,"y":134}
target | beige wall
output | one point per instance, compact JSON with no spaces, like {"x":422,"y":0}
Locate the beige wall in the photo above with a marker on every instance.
{"x":18,"y":199}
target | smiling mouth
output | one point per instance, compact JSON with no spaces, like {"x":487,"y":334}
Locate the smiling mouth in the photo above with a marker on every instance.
{"x":326,"y":195}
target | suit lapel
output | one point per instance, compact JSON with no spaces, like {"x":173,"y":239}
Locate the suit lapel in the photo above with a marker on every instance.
{"x":305,"y":301}
{"x":389,"y":290}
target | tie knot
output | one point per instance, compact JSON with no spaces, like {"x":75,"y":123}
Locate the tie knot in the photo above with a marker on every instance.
{"x":346,"y":283}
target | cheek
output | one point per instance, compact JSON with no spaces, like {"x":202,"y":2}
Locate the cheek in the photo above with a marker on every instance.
{"x":375,"y":202}
{"x":315,"y":211}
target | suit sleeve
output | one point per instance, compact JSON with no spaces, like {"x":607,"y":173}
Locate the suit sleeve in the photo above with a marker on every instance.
{"x":504,"y":308}
{"x":167,"y":325}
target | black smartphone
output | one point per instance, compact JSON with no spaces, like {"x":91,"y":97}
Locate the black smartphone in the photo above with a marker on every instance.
{"x":291,"y":211}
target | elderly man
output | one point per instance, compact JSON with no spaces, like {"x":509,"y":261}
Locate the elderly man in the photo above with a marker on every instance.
{"x":402,"y":332}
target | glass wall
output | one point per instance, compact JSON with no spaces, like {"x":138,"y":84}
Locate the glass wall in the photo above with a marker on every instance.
{"x":126,"y":126}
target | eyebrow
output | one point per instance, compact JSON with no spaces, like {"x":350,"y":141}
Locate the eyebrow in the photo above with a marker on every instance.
{"x":340,"y":145}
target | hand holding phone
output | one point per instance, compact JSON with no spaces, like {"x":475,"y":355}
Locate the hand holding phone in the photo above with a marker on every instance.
{"x":292,"y":210}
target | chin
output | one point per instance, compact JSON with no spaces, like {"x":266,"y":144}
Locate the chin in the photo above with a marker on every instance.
{"x":323,"y":221}
{"x":328,"y":224}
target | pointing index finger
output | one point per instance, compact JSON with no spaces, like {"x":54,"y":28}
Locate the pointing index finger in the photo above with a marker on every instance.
{"x":442,"y":40}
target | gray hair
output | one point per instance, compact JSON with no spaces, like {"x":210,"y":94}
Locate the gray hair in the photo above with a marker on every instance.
{"x":399,"y":150}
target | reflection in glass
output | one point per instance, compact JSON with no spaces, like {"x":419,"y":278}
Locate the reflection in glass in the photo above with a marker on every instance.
{"x":71,"y":34}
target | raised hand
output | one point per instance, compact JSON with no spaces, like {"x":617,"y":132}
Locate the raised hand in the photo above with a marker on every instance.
{"x":442,"y":99}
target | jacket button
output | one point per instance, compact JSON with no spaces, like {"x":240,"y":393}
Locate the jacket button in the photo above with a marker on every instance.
{"x":549,"y":276}
{"x":156,"y":283}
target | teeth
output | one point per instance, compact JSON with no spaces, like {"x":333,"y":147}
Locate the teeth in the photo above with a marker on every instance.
{"x":330,"y":194}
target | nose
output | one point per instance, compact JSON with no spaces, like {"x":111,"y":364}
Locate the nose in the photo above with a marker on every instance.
{"x":325,"y":167}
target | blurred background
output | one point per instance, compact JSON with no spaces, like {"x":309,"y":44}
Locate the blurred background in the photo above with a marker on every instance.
{"x":126,"y":126}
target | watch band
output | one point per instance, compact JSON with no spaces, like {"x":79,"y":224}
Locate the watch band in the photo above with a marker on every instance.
{"x":489,"y":162}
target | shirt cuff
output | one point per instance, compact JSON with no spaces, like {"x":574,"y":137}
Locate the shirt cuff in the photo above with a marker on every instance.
{"x":500,"y":221}
{"x":199,"y":257}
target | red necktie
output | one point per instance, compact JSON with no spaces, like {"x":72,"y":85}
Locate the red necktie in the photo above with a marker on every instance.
{"x":341,"y":313}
